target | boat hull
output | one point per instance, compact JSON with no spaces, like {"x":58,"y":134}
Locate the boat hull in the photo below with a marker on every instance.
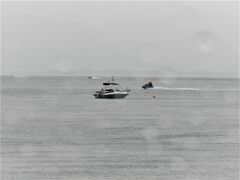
{"x":111,"y":95}
{"x":146,"y":87}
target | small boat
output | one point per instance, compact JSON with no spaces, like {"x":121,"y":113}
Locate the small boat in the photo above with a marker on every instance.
{"x":111,"y":89}
{"x":93,"y":77}
{"x":148,"y":85}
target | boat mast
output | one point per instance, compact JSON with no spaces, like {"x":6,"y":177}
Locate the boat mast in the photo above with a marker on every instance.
{"x":113,"y":78}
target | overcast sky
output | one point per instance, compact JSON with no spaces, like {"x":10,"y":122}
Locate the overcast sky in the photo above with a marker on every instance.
{"x":120,"y":38}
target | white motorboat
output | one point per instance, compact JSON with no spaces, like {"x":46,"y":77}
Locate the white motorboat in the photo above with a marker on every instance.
{"x":111,"y":89}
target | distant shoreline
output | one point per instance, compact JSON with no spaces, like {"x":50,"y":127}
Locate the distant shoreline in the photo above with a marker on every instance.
{"x":120,"y":76}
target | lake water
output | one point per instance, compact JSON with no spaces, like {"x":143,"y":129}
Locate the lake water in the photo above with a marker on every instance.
{"x":53,"y":128}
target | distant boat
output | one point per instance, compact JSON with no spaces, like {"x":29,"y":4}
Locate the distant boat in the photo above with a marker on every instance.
{"x":112,"y":90}
{"x":93,"y":77}
{"x":148,"y":85}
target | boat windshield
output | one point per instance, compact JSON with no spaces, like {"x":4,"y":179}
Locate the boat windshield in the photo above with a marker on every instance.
{"x":110,"y":83}
{"x":112,"y":86}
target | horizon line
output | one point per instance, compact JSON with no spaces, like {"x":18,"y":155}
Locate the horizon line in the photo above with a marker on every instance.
{"x":137,"y":76}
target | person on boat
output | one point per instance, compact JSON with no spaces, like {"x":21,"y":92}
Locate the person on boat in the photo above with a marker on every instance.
{"x":102,"y":91}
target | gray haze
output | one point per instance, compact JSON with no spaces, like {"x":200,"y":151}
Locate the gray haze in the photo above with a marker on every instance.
{"x":120,"y":38}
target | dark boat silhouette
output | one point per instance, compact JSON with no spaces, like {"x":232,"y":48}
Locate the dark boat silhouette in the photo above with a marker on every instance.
{"x":148,"y":85}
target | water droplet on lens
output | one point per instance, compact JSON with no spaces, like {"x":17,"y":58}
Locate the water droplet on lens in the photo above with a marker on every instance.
{"x":64,"y":64}
{"x":12,"y":117}
{"x":13,"y":41}
{"x":149,"y":54}
{"x":150,"y":133}
{"x":27,"y":150}
{"x":231,"y":97}
{"x":179,"y":164}
{"x":205,"y":41}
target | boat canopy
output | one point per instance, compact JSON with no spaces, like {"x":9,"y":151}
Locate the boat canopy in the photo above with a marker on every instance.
{"x":110,"y":83}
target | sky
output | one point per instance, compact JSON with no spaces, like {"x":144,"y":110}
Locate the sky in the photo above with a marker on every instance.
{"x":186,"y":39}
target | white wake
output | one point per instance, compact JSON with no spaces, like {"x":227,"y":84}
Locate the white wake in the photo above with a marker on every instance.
{"x":190,"y":89}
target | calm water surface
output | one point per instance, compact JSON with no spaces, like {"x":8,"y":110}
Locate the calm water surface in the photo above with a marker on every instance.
{"x":53,"y":128}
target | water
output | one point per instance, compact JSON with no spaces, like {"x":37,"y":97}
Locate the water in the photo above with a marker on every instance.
{"x":53,"y":128}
